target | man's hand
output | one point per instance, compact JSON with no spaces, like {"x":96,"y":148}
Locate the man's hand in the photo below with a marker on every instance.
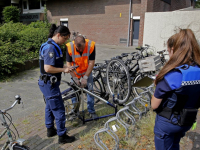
{"x":67,"y":69}
{"x":84,"y":81}
{"x":76,"y":80}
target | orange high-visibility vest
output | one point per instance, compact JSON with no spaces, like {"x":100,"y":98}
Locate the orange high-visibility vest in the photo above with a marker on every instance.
{"x":77,"y":59}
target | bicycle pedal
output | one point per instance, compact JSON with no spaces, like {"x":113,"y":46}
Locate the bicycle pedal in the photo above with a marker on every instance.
{"x":72,"y":117}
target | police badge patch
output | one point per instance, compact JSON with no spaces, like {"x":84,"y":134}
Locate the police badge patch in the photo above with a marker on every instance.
{"x":51,"y":54}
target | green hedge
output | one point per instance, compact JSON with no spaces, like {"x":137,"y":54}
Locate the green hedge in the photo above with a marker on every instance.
{"x":18,"y":43}
{"x":11,"y":13}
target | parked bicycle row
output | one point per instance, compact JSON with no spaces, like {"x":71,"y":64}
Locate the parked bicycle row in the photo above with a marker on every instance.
{"x":119,"y":75}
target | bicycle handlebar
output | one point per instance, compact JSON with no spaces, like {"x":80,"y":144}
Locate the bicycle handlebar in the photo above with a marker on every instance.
{"x":17,"y":100}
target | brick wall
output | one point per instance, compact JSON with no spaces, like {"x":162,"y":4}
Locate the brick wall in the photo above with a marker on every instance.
{"x":100,"y":20}
{"x":161,"y":6}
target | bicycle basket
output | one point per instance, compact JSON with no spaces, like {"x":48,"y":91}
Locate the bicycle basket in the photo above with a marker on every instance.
{"x":152,"y":63}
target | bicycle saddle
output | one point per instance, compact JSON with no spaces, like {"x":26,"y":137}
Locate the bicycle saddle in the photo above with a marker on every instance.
{"x":140,"y":48}
{"x":107,"y":61}
{"x":160,"y":52}
{"x":124,"y":54}
{"x":97,"y":67}
{"x":118,"y":57}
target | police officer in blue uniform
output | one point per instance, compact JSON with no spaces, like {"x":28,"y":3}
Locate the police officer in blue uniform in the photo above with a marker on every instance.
{"x":51,"y":67}
{"x":177,"y":96}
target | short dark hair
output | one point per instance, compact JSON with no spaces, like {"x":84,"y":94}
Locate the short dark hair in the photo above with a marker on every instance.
{"x":79,"y":40}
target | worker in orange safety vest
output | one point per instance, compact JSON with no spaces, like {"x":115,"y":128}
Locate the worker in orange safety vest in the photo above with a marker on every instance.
{"x":81,"y":53}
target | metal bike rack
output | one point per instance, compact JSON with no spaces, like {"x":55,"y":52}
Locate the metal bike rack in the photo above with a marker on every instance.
{"x":108,"y":130}
{"x":100,"y":117}
{"x":100,"y":143}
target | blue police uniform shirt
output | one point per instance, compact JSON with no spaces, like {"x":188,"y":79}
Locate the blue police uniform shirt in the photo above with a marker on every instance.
{"x":171,"y":81}
{"x":51,"y":56}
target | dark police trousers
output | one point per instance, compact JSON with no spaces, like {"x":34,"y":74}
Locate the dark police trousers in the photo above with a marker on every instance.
{"x":167,"y":135}
{"x":54,"y":106}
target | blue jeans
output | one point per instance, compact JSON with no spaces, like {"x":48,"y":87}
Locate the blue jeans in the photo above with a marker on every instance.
{"x":55,"y":109}
{"x":90,"y":98}
{"x":167,"y":135}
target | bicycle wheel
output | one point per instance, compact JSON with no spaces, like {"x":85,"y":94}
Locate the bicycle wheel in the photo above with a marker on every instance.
{"x":67,"y":95}
{"x":118,"y":80}
{"x":139,"y":90}
{"x":97,"y":89}
{"x":20,"y":147}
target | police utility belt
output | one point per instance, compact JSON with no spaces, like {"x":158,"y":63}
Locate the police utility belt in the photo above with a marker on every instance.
{"x":185,"y":117}
{"x":53,"y":79}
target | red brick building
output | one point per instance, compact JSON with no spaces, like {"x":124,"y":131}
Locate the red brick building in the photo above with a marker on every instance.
{"x":107,"y":21}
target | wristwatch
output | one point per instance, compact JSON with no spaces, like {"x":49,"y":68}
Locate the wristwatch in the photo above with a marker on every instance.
{"x":85,"y":77}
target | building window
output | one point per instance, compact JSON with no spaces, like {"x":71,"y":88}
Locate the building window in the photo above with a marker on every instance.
{"x":167,"y":1}
{"x":64,"y":21}
{"x":43,"y":3}
{"x":25,"y":5}
{"x":34,"y":4}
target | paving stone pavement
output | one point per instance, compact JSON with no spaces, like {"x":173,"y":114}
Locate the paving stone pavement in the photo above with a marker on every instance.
{"x":29,"y":121}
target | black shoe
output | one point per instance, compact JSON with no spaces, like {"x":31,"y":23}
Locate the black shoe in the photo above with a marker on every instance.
{"x":93,"y":115}
{"x":65,"y":139}
{"x":51,"y":132}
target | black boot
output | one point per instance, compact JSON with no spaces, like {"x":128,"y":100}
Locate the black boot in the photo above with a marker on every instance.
{"x":51,"y":132}
{"x":65,"y":139}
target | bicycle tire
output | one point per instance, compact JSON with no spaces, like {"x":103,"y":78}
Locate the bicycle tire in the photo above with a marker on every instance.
{"x":136,"y":79}
{"x":138,"y":90}
{"x":66,"y":96}
{"x":117,"y":74}
{"x":20,"y":147}
{"x":97,"y":89}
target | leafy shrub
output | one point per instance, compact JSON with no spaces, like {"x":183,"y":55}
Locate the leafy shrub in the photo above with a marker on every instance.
{"x":11,"y":13}
{"x":19,"y":43}
{"x":39,"y":24}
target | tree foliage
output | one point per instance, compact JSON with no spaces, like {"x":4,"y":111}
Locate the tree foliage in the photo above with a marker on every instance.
{"x":197,"y":4}
{"x":11,"y":13}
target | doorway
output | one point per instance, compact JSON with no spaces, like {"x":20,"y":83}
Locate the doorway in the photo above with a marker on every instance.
{"x":136,"y":27}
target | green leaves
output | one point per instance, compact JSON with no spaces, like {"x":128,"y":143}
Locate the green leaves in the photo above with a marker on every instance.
{"x":11,"y":13}
{"x":18,"y":43}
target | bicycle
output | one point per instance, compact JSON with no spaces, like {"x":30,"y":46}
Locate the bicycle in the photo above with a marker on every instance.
{"x":76,"y":91}
{"x":99,"y":82}
{"x":11,"y":143}
{"x":131,"y":73}
{"x":74,"y":34}
{"x":162,"y":56}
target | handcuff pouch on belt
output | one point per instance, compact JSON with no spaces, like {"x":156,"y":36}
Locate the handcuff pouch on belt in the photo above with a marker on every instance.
{"x":45,"y":78}
{"x":187,"y":116}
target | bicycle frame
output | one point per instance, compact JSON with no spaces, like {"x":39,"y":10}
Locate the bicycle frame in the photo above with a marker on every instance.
{"x":11,"y":143}
{"x":10,"y":139}
{"x":82,"y":118}
{"x":99,"y":75}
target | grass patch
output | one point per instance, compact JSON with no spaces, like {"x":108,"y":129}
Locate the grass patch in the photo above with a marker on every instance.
{"x":141,"y":135}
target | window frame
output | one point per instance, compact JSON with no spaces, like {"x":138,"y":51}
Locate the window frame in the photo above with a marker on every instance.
{"x":27,"y":6}
{"x":27,"y":3}
{"x":167,"y":1}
